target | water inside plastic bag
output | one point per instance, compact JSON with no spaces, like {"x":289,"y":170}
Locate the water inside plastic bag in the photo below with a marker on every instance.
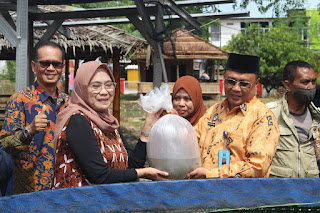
{"x":173,"y":146}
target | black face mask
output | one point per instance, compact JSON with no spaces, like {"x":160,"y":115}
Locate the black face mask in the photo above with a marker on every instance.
{"x":304,"y":96}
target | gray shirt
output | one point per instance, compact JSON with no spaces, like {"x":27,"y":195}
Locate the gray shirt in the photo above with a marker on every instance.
{"x":302,"y":123}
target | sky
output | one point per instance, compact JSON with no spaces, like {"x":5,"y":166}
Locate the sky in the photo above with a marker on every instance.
{"x":254,"y":13}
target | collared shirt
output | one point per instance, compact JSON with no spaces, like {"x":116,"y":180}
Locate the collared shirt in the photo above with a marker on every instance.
{"x":252,"y":138}
{"x":33,"y":160}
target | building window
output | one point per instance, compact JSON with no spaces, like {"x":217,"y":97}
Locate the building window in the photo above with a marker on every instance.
{"x":263,"y":26}
{"x":243,"y":25}
{"x":229,"y":23}
{"x":305,"y":33}
{"x":216,"y":31}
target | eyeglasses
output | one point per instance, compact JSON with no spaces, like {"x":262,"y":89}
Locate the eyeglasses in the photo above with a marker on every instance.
{"x":231,"y":83}
{"x":46,"y":64}
{"x":96,"y":87}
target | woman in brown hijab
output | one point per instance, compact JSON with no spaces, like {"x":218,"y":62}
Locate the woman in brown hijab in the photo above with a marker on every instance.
{"x":89,"y":148}
{"x":187,"y":99}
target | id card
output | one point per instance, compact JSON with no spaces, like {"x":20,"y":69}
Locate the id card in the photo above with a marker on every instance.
{"x":224,"y":157}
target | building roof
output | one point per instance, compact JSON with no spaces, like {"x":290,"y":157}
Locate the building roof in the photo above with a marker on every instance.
{"x":84,"y":41}
{"x":189,"y":46}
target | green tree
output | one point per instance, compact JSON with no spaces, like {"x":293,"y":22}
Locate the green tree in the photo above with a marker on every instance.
{"x":170,"y":25}
{"x":126,"y":27}
{"x":105,"y":4}
{"x":278,"y":7}
{"x":11,"y":71}
{"x":276,"y":48}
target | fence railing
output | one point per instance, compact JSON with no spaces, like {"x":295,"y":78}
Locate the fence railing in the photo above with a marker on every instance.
{"x":3,"y":102}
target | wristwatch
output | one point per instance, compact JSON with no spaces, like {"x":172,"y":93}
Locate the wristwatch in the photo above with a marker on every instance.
{"x":26,"y":133}
{"x":145,"y":134}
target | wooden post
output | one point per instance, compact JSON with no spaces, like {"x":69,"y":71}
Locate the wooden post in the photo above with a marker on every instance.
{"x":76,"y":66}
{"x":66,"y":79}
{"x":212,"y":73}
{"x":215,"y":73}
{"x":178,"y":72}
{"x":116,"y":74}
{"x":218,"y":70}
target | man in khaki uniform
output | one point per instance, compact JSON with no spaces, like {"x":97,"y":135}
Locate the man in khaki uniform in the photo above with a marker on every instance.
{"x":298,"y":119}
{"x":238,"y":136}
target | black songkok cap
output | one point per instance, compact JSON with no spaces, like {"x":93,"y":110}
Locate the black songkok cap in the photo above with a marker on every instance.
{"x":243,"y":63}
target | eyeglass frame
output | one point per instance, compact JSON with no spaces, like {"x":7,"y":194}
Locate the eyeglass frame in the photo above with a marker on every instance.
{"x":53,"y":63}
{"x":104,"y":86}
{"x":242,"y":87}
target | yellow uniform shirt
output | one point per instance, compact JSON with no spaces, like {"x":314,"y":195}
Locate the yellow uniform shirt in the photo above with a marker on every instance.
{"x":252,"y":138}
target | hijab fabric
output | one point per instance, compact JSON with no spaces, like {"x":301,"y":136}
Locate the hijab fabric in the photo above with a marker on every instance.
{"x":192,"y":86}
{"x":79,"y":101}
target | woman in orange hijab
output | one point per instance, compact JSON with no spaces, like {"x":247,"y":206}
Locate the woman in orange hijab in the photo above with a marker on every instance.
{"x":187,"y":99}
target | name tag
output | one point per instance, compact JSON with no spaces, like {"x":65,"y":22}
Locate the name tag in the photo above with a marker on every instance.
{"x":224,"y":157}
{"x":211,"y":124}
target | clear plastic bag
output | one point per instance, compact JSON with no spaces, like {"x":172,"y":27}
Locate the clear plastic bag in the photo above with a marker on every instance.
{"x":173,"y":146}
{"x":156,"y":99}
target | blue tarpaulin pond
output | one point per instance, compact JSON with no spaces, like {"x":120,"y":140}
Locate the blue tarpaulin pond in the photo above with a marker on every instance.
{"x":207,"y":195}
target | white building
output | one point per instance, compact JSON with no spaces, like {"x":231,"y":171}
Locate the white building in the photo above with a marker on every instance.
{"x":222,"y":33}
{"x":3,"y":67}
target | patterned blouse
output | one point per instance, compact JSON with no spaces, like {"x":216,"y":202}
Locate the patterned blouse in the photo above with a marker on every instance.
{"x":252,"y":135}
{"x":68,"y":172}
{"x":33,"y":160}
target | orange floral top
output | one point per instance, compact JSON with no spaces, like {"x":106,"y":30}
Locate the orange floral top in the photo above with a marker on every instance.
{"x":68,"y":173}
{"x":252,"y":138}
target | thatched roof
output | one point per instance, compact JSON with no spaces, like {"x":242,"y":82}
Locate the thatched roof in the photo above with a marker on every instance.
{"x":189,"y":46}
{"x":85,"y":41}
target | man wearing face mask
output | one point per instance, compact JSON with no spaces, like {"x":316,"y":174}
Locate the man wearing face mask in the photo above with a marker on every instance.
{"x":297,"y":118}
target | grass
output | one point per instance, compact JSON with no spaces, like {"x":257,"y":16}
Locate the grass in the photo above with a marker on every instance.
{"x":129,"y":97}
{"x":6,"y":87}
{"x":132,"y":115}
{"x":131,"y":111}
